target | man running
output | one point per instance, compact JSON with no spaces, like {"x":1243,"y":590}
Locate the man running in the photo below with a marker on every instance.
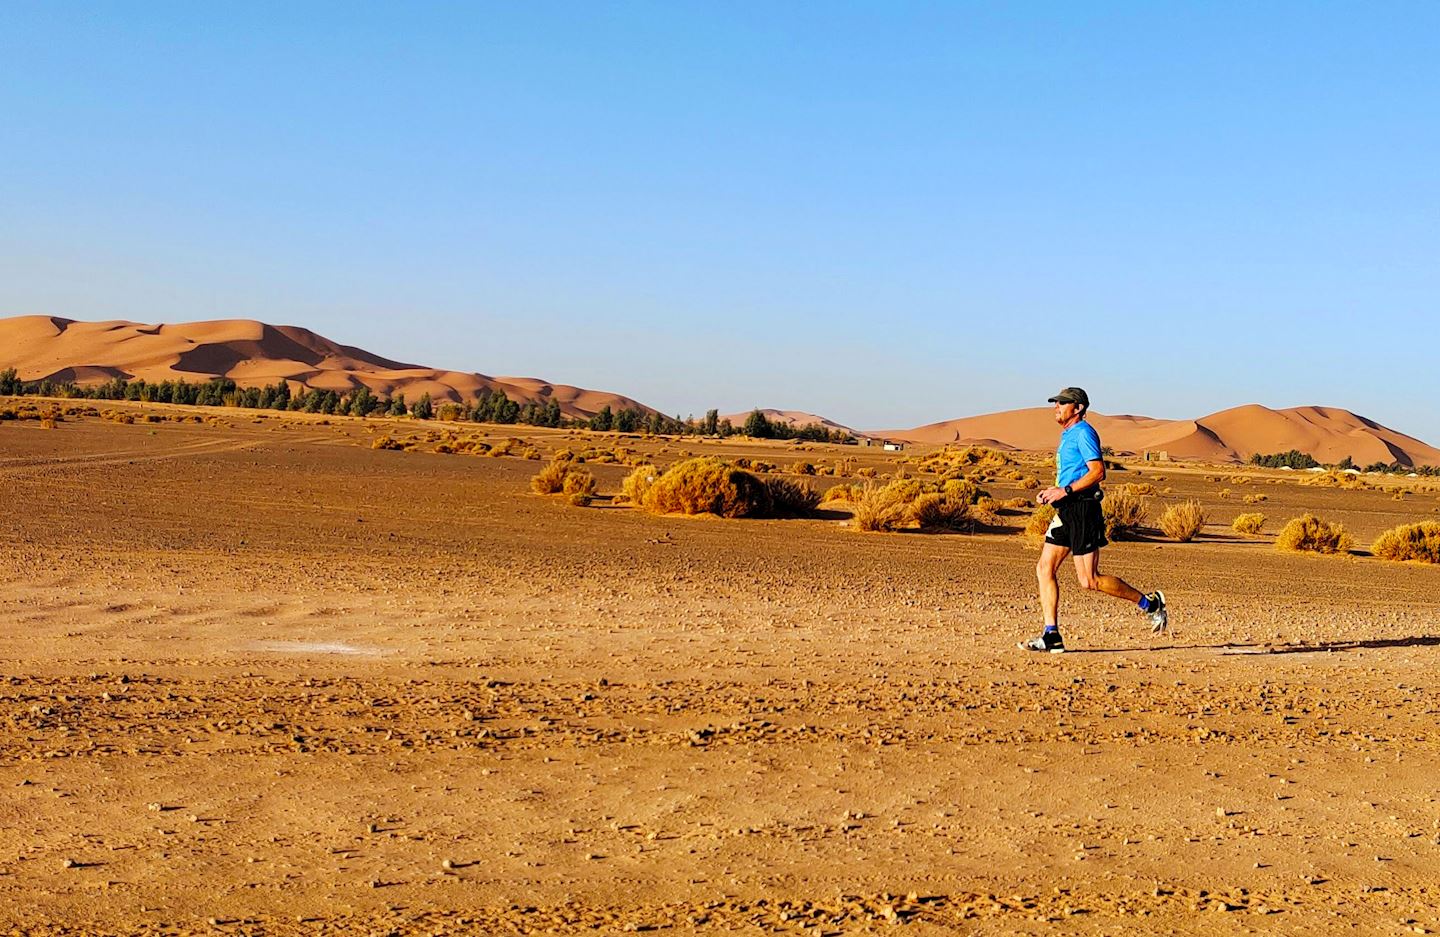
{"x":1079,"y":525}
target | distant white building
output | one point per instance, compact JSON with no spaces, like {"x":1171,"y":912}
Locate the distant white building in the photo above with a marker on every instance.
{"x":894,"y":446}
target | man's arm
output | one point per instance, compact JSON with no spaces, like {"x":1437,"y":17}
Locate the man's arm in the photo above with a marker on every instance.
{"x":1094,"y":475}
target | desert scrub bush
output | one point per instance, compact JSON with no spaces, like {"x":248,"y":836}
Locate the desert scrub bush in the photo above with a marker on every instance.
{"x":1335,"y":479}
{"x":707,"y":485}
{"x":1308,"y":533}
{"x":1141,"y":488}
{"x":1013,"y":504}
{"x":1125,"y":512}
{"x":1224,"y":494}
{"x":884,"y":507}
{"x":385,"y":442}
{"x":1410,"y":542}
{"x":841,"y":492}
{"x":934,"y":511}
{"x":1256,"y":498}
{"x":791,"y":498}
{"x":551,"y":479}
{"x":1038,"y":523}
{"x":1183,"y":521}
{"x":1248,"y":523}
{"x":1240,"y":479}
{"x":578,"y":481}
{"x":866,"y":472}
{"x":638,"y":482}
{"x":581,"y":499}
{"x":802,"y":468}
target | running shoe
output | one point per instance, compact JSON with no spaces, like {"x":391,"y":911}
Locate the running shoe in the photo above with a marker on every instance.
{"x":1049,"y":641}
{"x":1159,"y":617}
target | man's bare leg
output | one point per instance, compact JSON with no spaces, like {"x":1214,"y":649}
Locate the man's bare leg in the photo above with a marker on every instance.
{"x":1051,"y":556}
{"x":1087,"y":571}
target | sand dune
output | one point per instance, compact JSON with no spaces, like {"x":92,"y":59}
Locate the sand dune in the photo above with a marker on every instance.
{"x":253,"y":353}
{"x":1327,"y":433}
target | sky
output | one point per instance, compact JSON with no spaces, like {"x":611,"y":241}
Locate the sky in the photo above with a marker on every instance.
{"x":888,"y":214}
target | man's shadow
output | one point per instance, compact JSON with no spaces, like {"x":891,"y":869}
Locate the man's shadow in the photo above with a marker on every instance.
{"x":1324,"y":647}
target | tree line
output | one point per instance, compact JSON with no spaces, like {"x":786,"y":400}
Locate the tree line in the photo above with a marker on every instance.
{"x":1296,"y":459}
{"x":489,"y":406}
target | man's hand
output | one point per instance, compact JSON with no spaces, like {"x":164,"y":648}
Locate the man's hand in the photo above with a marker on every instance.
{"x":1050,"y":495}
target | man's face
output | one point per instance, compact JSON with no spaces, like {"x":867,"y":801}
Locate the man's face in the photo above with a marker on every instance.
{"x":1065,"y":412}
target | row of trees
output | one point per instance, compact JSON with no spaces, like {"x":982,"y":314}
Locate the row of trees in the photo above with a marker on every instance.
{"x":1296,"y":459}
{"x":491,"y":406}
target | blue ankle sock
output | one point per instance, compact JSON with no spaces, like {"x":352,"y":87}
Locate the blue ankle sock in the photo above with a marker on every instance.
{"x":1052,"y":629}
{"x":1144,"y":603}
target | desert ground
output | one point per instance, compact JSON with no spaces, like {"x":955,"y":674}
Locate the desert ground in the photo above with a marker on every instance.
{"x":261,"y":677}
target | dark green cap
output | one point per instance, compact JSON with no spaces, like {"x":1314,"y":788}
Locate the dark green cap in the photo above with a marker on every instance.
{"x":1072,"y":395}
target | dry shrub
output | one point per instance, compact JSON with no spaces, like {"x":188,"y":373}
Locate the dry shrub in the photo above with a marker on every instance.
{"x":934,"y":511}
{"x":1248,"y":523}
{"x":802,"y":468}
{"x":1308,"y":533}
{"x":1224,"y":494}
{"x":551,"y":479}
{"x":1183,"y":521}
{"x":708,"y":486}
{"x":1028,"y":483}
{"x":1125,"y":512}
{"x":581,"y":499}
{"x":791,"y":498}
{"x":578,"y":481}
{"x":1256,"y":498}
{"x":445,"y":448}
{"x":385,"y":442}
{"x":1240,"y":479}
{"x":963,"y":489}
{"x":1410,"y":542}
{"x":866,"y":472}
{"x":1039,"y":523}
{"x":1141,"y":488}
{"x":884,"y":507}
{"x":531,"y":453}
{"x":1335,"y":479}
{"x":840,"y":492}
{"x":637,"y":484}
{"x":503,"y":447}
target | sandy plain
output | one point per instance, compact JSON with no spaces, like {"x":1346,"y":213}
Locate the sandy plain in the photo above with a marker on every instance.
{"x":262,"y":678}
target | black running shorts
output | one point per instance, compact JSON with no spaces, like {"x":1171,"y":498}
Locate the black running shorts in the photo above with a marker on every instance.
{"x":1079,"y":524}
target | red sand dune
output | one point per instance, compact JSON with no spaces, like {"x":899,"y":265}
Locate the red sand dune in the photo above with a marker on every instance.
{"x":1327,"y":433}
{"x":253,"y":353}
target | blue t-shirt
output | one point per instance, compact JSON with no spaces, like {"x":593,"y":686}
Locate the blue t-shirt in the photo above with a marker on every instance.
{"x":1078,"y":445}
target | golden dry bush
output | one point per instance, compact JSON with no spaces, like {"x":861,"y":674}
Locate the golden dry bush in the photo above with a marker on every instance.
{"x":581,"y":499}
{"x":1240,"y":479}
{"x":866,"y":472}
{"x":1335,"y":479}
{"x":884,"y":507}
{"x":1039,"y":523}
{"x":551,"y":479}
{"x":1256,"y":498}
{"x":934,"y":511}
{"x":1248,"y":523}
{"x":1028,"y":483}
{"x":638,"y":482}
{"x":707,"y":485}
{"x":578,"y":481}
{"x":791,"y":498}
{"x":1410,"y":542}
{"x":1183,"y":521}
{"x":802,"y":468}
{"x":385,"y":442}
{"x":1125,"y":513}
{"x":841,"y":492}
{"x":1224,"y":494}
{"x":1013,"y":504}
{"x":1308,"y":533}
{"x":1141,"y":488}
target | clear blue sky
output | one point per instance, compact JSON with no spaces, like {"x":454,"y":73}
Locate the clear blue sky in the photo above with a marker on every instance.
{"x":886,"y":213}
